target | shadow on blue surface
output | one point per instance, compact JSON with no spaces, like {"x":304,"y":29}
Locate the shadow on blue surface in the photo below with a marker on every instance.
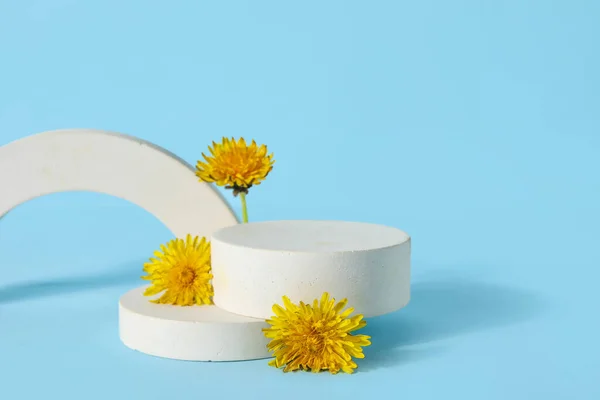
{"x":439,"y":309}
{"x":442,"y":309}
{"x":53,"y":287}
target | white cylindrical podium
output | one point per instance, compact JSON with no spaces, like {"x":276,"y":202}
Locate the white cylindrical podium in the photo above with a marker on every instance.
{"x":255,"y":264}
{"x":194,"y":333}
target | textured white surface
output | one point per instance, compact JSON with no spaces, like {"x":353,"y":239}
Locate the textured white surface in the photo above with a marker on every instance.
{"x":255,"y":264}
{"x":114,"y":164}
{"x":195,"y":333}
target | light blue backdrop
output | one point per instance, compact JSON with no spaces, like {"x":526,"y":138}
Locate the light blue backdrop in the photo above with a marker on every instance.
{"x":472,"y":125}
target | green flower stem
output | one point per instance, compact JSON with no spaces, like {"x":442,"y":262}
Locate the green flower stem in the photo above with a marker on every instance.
{"x":244,"y":207}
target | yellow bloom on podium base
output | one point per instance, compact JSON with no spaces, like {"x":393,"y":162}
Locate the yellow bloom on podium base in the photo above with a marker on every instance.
{"x":182,"y":270}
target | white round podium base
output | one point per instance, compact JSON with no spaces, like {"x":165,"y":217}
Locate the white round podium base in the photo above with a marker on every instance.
{"x":255,"y":264}
{"x":194,"y":333}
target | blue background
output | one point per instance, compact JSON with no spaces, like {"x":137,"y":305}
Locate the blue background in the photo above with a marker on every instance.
{"x":472,"y":125}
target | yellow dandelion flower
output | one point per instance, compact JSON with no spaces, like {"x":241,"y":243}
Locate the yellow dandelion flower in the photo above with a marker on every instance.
{"x":182,"y":270}
{"x":315,"y":337}
{"x":237,"y":166}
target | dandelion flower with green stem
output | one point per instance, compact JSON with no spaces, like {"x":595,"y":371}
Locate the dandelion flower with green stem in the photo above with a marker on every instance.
{"x":237,"y":166}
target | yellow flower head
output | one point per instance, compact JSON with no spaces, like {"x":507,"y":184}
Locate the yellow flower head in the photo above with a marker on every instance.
{"x":315,"y":337}
{"x":182,"y":271}
{"x":235,"y":165}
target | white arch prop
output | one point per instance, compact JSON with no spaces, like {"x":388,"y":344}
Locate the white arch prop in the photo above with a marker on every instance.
{"x":162,"y":184}
{"x":119,"y":165}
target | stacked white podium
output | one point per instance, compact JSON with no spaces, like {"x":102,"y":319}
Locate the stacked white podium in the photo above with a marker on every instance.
{"x":253,"y":264}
